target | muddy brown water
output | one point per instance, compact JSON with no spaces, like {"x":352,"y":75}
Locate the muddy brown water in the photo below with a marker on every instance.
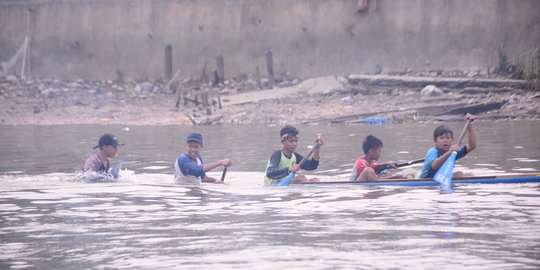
{"x":48,"y":220}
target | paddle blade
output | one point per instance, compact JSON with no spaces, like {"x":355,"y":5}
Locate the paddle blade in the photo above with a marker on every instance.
{"x":286,"y":181}
{"x":444,"y":174}
{"x":116,"y":170}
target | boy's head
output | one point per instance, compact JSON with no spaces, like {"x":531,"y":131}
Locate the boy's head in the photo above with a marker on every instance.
{"x":443,"y":137}
{"x":108,"y":143}
{"x":288,"y":132}
{"x":372,"y":146}
{"x":289,"y":137}
{"x":442,"y":130}
{"x":194,"y":144}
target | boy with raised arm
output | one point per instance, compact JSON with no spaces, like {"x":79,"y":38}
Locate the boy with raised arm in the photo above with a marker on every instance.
{"x":189,"y":167}
{"x":444,"y":139}
{"x":284,"y":161}
{"x":365,"y":168}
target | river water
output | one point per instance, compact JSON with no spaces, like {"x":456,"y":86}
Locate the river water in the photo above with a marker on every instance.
{"x":49,"y":220}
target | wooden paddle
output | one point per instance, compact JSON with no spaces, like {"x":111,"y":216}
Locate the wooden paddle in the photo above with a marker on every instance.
{"x":445,"y":172}
{"x":223,"y":174}
{"x":411,"y":162}
{"x":408,"y":163}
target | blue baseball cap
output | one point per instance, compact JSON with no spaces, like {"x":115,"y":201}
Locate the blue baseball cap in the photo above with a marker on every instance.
{"x":194,"y":137}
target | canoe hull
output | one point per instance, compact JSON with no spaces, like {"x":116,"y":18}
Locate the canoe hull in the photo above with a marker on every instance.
{"x":502,"y":179}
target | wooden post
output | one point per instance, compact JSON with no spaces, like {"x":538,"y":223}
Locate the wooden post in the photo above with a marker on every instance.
{"x":203,"y":99}
{"x":220,"y":68}
{"x":258,"y":77}
{"x":168,"y":63}
{"x":24,"y":60}
{"x":204,"y":77}
{"x":270,"y":67}
{"x":216,"y":80}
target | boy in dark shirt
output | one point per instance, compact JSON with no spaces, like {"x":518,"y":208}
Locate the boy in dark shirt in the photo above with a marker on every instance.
{"x":99,"y":162}
{"x":284,"y":161}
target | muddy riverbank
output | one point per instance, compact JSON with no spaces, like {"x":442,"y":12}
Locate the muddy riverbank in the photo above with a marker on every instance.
{"x":324,"y":100}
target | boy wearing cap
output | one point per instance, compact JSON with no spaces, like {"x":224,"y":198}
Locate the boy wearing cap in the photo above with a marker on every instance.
{"x":284,"y":161}
{"x":189,"y":167}
{"x":99,"y":162}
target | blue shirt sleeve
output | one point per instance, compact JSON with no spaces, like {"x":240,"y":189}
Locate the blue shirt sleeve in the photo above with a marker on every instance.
{"x":431,"y":155}
{"x":188,"y":167}
{"x":462,"y":152}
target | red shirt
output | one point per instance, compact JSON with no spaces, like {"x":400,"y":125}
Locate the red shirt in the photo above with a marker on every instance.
{"x":362,"y":163}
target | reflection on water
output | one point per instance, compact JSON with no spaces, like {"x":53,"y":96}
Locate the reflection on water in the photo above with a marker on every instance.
{"x":48,"y":220}
{"x":152,"y":223}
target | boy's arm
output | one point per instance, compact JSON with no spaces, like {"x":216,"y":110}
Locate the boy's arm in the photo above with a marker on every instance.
{"x":188,"y":167}
{"x":91,"y":164}
{"x":438,"y":162}
{"x":215,"y":164}
{"x":471,"y":143}
{"x":273,"y":171}
{"x":317,"y":150}
{"x":310,"y":164}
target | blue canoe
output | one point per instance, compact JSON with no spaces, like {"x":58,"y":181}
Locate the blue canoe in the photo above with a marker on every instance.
{"x":493,"y":179}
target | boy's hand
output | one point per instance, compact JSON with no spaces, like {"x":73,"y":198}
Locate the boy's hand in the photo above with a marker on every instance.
{"x":294,"y":168}
{"x":226,"y":162}
{"x":319,"y":140}
{"x":454,"y":147}
{"x":469,"y":117}
{"x":392,"y":165}
{"x":209,"y":179}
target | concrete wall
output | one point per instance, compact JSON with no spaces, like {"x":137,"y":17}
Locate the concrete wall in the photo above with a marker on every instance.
{"x":96,"y":38}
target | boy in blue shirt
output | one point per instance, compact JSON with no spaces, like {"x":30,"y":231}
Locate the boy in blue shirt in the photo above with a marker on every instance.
{"x":444,"y":138}
{"x":189,"y":167}
{"x":284,"y":161}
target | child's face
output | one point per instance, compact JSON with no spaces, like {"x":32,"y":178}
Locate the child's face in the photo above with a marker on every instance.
{"x":290,"y":143}
{"x":110,"y":150}
{"x":375,"y":153}
{"x":444,"y":142}
{"x":193,"y":149}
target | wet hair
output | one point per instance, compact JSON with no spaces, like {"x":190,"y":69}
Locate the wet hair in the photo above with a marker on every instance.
{"x":289,"y":131}
{"x":441,"y":130}
{"x":371,"y":142}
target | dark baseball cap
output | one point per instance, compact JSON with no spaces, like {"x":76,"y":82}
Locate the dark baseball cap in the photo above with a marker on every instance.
{"x":107,"y":139}
{"x":194,"y":137}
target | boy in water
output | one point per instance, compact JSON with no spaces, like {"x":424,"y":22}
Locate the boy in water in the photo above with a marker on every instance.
{"x":365,"y":168}
{"x":443,"y":138}
{"x":108,"y":147}
{"x":189,"y":167}
{"x":284,"y":161}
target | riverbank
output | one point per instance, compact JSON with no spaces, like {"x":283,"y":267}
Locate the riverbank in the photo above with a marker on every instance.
{"x":240,"y":101}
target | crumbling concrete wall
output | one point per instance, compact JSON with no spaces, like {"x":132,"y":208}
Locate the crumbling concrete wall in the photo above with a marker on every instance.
{"x":101,"y":39}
